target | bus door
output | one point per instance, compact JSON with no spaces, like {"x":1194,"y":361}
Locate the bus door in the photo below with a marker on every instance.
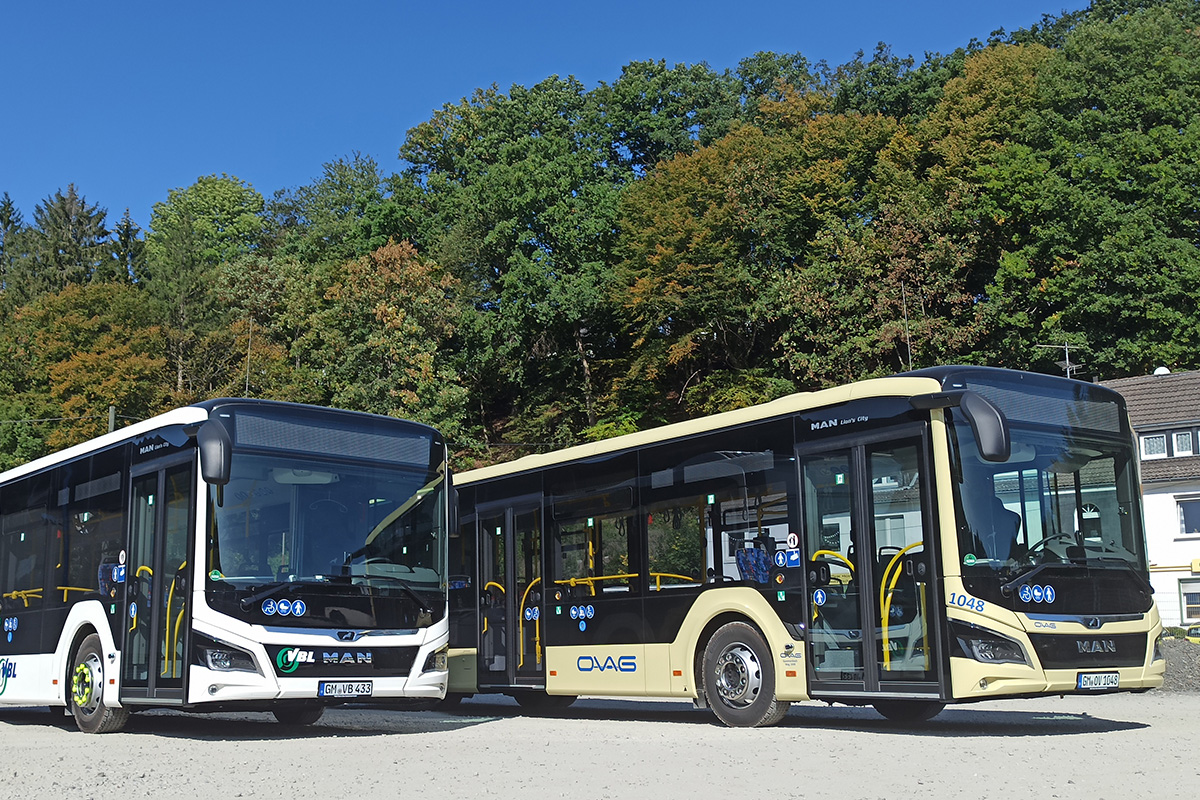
{"x":873,"y":611}
{"x":158,"y":582}
{"x":511,"y":651}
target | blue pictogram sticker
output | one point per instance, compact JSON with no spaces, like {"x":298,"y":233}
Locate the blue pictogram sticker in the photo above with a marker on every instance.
{"x":528,"y":614}
{"x":133,"y":610}
{"x":1039,"y":594}
{"x":298,"y":608}
{"x":574,"y":612}
{"x":1025,"y":593}
{"x":819,"y":597}
{"x":583,"y":624}
{"x":537,"y":613}
{"x":793,"y":558}
{"x":781,"y":559}
{"x":269,"y":607}
{"x":285,"y":607}
{"x":591,"y":612}
{"x":1049,"y":594}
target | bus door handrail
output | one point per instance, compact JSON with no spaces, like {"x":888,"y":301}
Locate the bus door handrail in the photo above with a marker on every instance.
{"x":167,"y":637}
{"x":537,"y":627}
{"x":885,"y":596}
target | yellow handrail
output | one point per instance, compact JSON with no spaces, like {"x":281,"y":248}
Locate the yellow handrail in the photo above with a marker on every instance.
{"x":591,"y":581}
{"x":658,"y":576}
{"x":537,"y":629}
{"x":886,"y":599}
{"x":836,"y":555}
{"x":24,"y":595}
{"x":498,"y":586}
{"x":167,"y":628}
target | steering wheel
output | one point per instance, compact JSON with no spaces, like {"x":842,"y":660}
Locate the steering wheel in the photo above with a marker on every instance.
{"x":1062,"y":536}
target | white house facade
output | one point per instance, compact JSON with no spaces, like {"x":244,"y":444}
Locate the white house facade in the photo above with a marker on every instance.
{"x":1165,"y":411}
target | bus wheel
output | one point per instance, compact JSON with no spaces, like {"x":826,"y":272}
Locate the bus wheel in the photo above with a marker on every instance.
{"x":909,"y":711}
{"x":541,"y":703}
{"x":298,"y":715}
{"x":739,"y":678}
{"x":87,"y":691}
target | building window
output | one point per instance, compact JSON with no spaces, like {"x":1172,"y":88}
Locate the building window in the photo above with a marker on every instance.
{"x":1183,"y":444}
{"x":1189,"y":594}
{"x":1189,"y":517}
{"x":1154,"y":446}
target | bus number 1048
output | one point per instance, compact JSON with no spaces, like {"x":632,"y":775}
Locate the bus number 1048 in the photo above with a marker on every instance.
{"x":966,"y":601}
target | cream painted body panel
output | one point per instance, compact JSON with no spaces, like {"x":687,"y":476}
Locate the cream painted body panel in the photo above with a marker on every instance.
{"x":667,"y":670}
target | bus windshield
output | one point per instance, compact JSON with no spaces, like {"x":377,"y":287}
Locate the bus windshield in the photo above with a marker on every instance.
{"x":358,"y":543}
{"x":1065,"y":504}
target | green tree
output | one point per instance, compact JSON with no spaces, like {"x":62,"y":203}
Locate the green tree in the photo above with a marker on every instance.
{"x":128,"y":253}
{"x":66,"y":244}
{"x":346,"y":213}
{"x":72,"y":354}
{"x":1097,"y":191}
{"x":197,"y":229}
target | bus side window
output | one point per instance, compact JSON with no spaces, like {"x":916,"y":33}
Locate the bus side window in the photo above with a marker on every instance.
{"x":23,"y":549}
{"x":95,"y":524}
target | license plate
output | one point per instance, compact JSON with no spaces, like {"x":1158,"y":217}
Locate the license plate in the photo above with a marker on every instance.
{"x":344,"y":689}
{"x":1098,"y":680}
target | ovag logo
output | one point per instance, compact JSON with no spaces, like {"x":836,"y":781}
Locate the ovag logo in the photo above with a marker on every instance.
{"x":8,"y":669}
{"x":290,"y":658}
{"x":594,"y":664}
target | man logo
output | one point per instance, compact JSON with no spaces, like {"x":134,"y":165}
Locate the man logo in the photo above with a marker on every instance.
{"x":347,"y":636}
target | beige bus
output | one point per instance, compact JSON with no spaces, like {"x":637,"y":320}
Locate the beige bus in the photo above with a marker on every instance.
{"x":944,"y":536}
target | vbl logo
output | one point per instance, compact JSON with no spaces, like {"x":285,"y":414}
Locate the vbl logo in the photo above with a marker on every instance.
{"x":593,"y":664}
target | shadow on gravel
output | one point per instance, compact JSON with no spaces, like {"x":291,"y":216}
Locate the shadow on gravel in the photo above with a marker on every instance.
{"x":960,"y":721}
{"x":252,"y":727}
{"x":362,"y":720}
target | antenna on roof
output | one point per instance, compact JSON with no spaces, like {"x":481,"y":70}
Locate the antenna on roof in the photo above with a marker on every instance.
{"x":1067,"y":365}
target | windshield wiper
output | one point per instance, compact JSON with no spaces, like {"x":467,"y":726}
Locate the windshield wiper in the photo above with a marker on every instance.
{"x":1098,"y":563}
{"x":404,"y":586}
{"x":1120,"y":563}
{"x":1006,"y":589}
{"x":271,"y":589}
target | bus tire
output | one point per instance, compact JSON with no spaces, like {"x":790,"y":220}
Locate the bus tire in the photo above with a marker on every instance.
{"x":909,"y":711}
{"x":739,"y":678}
{"x":86,"y":692}
{"x":298,"y":715}
{"x":542,"y":703}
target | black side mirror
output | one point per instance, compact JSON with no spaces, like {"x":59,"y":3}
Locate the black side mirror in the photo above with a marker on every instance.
{"x":216,"y":452}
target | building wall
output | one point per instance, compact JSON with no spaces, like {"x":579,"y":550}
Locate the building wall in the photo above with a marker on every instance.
{"x":1171,"y":553}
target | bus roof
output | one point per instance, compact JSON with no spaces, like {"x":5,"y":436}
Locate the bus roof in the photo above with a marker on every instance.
{"x":193,"y":414}
{"x":187,"y":415}
{"x":896,"y":386}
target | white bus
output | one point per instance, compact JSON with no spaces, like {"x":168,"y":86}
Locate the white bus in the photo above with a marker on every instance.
{"x":232,"y":554}
{"x":947,"y":536}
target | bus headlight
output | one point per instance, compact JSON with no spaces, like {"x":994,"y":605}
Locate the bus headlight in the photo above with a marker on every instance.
{"x":1158,"y":650}
{"x":981,"y":644}
{"x":222,"y":657}
{"x":437,"y":659}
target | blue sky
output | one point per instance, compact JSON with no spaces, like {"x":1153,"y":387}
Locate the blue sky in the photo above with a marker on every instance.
{"x":131,"y":99}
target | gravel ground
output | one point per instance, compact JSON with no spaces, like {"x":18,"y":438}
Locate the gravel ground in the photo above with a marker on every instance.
{"x":1183,"y":666}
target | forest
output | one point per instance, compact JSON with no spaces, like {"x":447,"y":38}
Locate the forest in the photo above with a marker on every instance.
{"x":552,"y":264}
